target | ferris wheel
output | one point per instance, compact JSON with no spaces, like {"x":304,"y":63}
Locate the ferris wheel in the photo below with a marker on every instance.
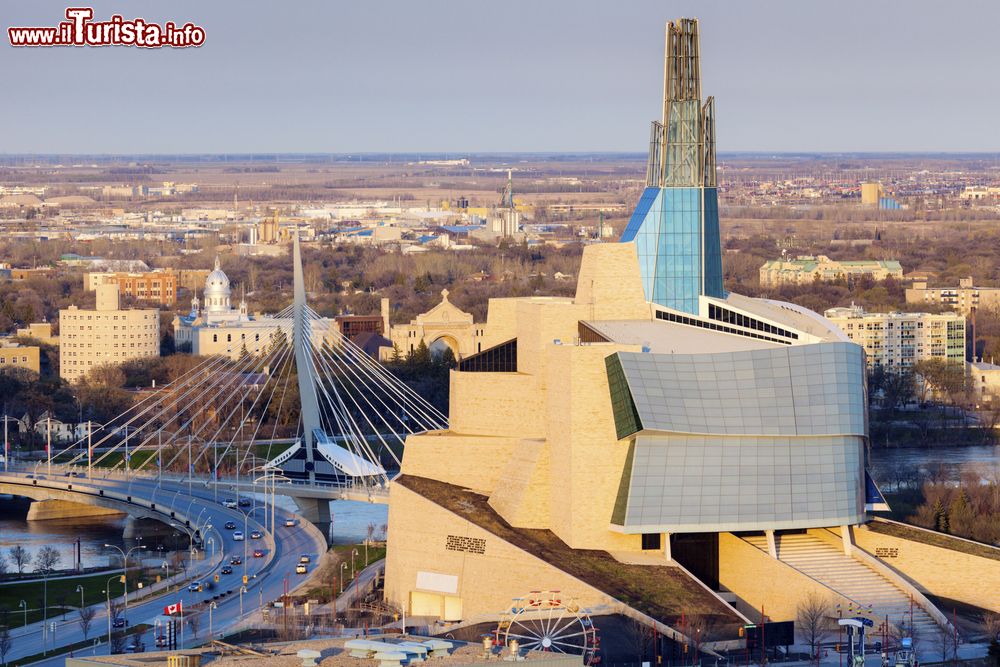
{"x":549,"y":621}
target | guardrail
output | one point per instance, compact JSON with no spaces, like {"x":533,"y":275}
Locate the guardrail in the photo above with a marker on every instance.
{"x":41,"y":467}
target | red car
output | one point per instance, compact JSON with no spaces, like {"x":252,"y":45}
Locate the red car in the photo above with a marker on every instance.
{"x":258,"y":553}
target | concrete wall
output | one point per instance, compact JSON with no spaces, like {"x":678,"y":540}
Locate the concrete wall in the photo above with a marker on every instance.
{"x":44,"y":510}
{"x":942,"y":572}
{"x":761,"y":581}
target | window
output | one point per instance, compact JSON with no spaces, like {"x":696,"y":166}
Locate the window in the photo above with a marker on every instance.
{"x":500,"y":358}
{"x":651,"y":541}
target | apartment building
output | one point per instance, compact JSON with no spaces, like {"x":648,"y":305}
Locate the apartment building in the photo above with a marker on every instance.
{"x":965,"y":298}
{"x":153,"y":286}
{"x":105,"y":335}
{"x":899,"y":340}
{"x":805,"y":269}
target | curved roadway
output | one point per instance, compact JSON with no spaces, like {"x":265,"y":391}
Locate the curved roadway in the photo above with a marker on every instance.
{"x":267,"y":576}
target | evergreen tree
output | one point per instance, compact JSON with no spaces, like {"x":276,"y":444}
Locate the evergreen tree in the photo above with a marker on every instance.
{"x":940,"y":517}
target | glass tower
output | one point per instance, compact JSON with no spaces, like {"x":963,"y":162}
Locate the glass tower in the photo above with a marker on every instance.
{"x":675,"y":226}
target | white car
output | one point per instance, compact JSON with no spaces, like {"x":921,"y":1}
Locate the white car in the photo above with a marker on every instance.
{"x":238,"y":536}
{"x":290,"y":523}
{"x":229,"y":503}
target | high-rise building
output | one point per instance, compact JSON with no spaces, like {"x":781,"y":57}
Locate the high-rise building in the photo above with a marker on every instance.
{"x":105,"y":335}
{"x":675,"y":226}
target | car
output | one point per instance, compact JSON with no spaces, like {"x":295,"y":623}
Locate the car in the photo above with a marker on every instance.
{"x":255,"y":535}
{"x":236,"y":560}
{"x":226,"y":569}
{"x":230,"y":525}
{"x":161,"y":641}
{"x":238,"y":536}
{"x":194,"y":587}
{"x":245,"y":502}
{"x":304,"y":558}
{"x":119,"y":623}
{"x":290,"y":523}
{"x":67,"y":474}
{"x":229,"y":503}
{"x":258,"y":553}
{"x":301,"y":568}
{"x":135,"y":647}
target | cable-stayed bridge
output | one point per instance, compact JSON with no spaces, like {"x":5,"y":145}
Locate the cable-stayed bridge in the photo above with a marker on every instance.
{"x":311,"y":416}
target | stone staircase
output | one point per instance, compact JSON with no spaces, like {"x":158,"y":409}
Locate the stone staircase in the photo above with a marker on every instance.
{"x":851,"y":578}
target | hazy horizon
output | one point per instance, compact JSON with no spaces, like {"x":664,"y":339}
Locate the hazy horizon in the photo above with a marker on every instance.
{"x":439,"y":77}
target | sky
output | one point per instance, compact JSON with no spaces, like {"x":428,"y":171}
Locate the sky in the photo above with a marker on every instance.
{"x":459,"y":76}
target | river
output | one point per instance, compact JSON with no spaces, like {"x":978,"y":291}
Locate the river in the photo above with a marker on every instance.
{"x":350,"y":526}
{"x":949,"y":463}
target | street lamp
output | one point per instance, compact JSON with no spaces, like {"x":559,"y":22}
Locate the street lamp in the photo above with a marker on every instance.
{"x":24,"y":606}
{"x":243,"y":589}
{"x":354,"y":552}
{"x":6,"y":445}
{"x":210,"y":608}
{"x":125,"y":555}
{"x":190,"y":534}
{"x":79,"y":589}
{"x":343,"y":566}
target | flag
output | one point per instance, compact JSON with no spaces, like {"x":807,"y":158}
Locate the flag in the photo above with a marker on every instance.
{"x":172,"y":609}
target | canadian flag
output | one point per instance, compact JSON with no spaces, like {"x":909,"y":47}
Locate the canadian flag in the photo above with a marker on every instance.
{"x":172,"y":609}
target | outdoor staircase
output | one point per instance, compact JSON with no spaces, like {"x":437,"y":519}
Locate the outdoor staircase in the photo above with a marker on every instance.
{"x":851,"y":578}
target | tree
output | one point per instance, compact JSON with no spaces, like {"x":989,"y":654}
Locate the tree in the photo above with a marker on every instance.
{"x":6,"y":643}
{"x":940,"y":517}
{"x":86,"y":618}
{"x":813,"y":621}
{"x":20,"y":556}
{"x":3,"y":565}
{"x":194,"y":622}
{"x":118,"y":642}
{"x":47,"y":559}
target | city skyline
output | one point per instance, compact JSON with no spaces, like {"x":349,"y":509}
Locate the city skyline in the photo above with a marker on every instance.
{"x":430,"y":79}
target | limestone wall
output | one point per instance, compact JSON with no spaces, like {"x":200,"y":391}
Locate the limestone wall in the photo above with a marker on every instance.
{"x":761,"y":581}
{"x":486,"y":582}
{"x":587,"y":459}
{"x":942,"y":572}
{"x":473,"y":461}
{"x":610,"y":283}
{"x":496,"y":404}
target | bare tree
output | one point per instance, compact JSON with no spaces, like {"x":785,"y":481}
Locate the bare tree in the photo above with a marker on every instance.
{"x":194,"y":622}
{"x":642,"y":638}
{"x":991,"y":625}
{"x":942,"y":641}
{"x":47,"y":559}
{"x":114,"y":610}
{"x":118,"y":642}
{"x":20,"y":556}
{"x":3,"y":565}
{"x":812,"y":616}
{"x":86,"y":618}
{"x":6,"y":643}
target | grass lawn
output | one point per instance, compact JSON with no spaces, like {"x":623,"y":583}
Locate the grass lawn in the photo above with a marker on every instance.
{"x":934,"y":539}
{"x":330,"y":573}
{"x":60,"y":592}
{"x":81,"y":646}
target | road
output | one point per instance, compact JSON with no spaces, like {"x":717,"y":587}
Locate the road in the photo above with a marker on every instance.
{"x":267,"y":576}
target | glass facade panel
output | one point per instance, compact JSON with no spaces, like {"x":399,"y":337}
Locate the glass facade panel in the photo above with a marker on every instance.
{"x":676,"y":232}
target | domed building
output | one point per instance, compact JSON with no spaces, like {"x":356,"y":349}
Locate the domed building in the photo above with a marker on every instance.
{"x":214,"y":326}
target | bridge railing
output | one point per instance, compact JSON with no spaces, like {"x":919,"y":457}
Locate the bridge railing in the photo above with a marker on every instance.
{"x":62,"y":469}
